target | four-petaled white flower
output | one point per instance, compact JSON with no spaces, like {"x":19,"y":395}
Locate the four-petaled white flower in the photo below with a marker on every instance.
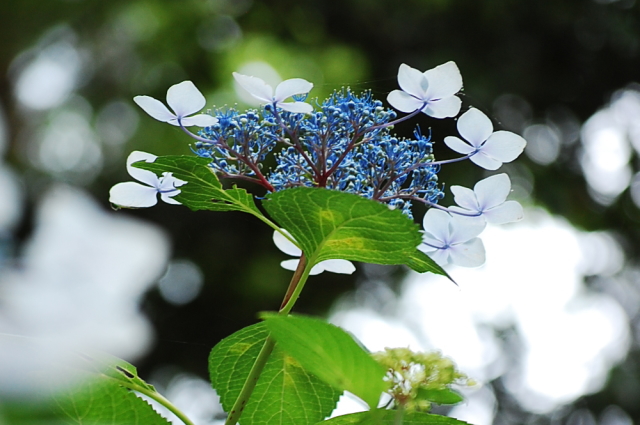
{"x":136,"y":195}
{"x":431,"y":91}
{"x":185,"y":99}
{"x":286,"y":246}
{"x":452,"y":239}
{"x":488,"y":200}
{"x":489,"y":149}
{"x":264,"y":92}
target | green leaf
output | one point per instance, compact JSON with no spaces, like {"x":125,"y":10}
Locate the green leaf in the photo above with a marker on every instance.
{"x":203,"y":190}
{"x":118,"y":370}
{"x":443,"y":396}
{"x":285,"y":392}
{"x":101,"y":400}
{"x":329,"y":224}
{"x":422,"y":263}
{"x":329,"y":353}
{"x":388,"y":417}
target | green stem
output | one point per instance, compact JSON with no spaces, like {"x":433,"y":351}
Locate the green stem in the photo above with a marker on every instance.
{"x":302,"y":273}
{"x":398,"y":420}
{"x":271,"y":224}
{"x":163,"y":401}
{"x":251,"y":381}
{"x":295,"y":286}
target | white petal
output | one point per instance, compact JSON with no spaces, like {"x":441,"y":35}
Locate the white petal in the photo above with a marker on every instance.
{"x":463,"y":230}
{"x":290,"y":264}
{"x":444,"y":80}
{"x":440,"y":256}
{"x":412,"y":81}
{"x":133,"y":195}
{"x":285,"y":245}
{"x":430,"y":243}
{"x":167,"y":188}
{"x":297,"y":107}
{"x":485,"y":161}
{"x":463,"y":214}
{"x":474,"y":127}
{"x":169,"y":182}
{"x":504,"y":146}
{"x":200,"y":120}
{"x":492,"y":191}
{"x":154,"y":108}
{"x":458,"y":145}
{"x":139,"y":174}
{"x":508,"y":212}
{"x":167,"y":197}
{"x":317,"y":269}
{"x":185,"y":99}
{"x":436,"y":222}
{"x":292,"y":87}
{"x":468,"y":254}
{"x":444,"y":108}
{"x":403,"y":102}
{"x":465,"y":197}
{"x":255,"y":86}
{"x":426,"y":248}
{"x":338,"y":266}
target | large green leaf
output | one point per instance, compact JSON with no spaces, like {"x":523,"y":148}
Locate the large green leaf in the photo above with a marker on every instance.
{"x":285,"y":392}
{"x":389,"y":417}
{"x":329,"y":224}
{"x":329,"y":353}
{"x":203,"y":190}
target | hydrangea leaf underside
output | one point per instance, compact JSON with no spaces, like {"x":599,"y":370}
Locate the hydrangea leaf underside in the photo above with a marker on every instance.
{"x":285,"y":393}
{"x":336,"y":225}
{"x":104,"y":402}
{"x":389,"y":417}
{"x":329,"y":353}
{"x":103,"y":394}
{"x":203,"y":190}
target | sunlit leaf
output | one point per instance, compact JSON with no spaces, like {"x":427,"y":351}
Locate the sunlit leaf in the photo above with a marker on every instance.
{"x":285,"y":392}
{"x":329,"y":224}
{"x":329,"y":353}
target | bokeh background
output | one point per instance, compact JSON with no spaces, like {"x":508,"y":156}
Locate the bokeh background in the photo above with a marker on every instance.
{"x":550,"y":325}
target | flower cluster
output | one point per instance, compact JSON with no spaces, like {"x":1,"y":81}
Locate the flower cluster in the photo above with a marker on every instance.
{"x":419,"y":379}
{"x":345,"y":143}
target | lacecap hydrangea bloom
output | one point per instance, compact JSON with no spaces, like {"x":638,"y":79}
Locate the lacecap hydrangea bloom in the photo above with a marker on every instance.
{"x":346,"y":143}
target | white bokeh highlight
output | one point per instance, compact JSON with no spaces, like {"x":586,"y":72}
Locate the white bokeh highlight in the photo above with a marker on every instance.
{"x":608,"y":139}
{"x":77,"y":287}
{"x":566,"y":337}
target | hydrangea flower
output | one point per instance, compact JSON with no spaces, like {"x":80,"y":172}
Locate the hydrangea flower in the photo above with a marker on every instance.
{"x":452,"y":239}
{"x":264,"y":92}
{"x":488,"y":200}
{"x":286,"y":246}
{"x":185,"y":99}
{"x":486,"y":148}
{"x":136,"y":195}
{"x":431,"y":92}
